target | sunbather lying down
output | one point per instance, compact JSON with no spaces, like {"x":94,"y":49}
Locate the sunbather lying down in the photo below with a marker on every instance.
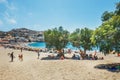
{"x":51,"y":56}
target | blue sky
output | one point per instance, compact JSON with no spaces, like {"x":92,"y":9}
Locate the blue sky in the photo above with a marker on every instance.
{"x":41,"y":15}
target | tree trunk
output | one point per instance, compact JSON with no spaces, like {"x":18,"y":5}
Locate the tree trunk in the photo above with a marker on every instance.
{"x":60,"y":53}
{"x":84,"y":54}
{"x":84,"y":51}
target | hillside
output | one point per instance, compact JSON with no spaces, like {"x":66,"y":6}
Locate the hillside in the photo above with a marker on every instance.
{"x":24,"y":33}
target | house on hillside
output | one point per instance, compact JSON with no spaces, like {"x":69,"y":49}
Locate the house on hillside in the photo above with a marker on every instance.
{"x":39,"y":36}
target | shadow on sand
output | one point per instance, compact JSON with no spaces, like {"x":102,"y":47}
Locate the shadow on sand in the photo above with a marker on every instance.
{"x":49,"y":58}
{"x":56,"y":58}
{"x":113,"y":67}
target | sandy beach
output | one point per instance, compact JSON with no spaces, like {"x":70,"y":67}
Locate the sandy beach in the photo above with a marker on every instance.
{"x":32,"y":68}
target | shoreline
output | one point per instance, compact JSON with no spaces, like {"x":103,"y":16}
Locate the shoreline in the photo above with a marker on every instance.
{"x":88,"y":51}
{"x":25,"y":46}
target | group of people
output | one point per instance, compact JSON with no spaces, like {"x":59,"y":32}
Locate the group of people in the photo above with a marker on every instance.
{"x":12,"y":56}
{"x":82,"y":56}
{"x":20,"y":56}
{"x":77,"y":56}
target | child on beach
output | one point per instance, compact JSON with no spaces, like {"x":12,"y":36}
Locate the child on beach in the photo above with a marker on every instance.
{"x":20,"y":56}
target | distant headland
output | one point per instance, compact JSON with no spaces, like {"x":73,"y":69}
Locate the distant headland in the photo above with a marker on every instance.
{"x":22,"y":35}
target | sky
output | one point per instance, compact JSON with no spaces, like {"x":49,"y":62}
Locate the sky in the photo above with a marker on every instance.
{"x":41,"y":15}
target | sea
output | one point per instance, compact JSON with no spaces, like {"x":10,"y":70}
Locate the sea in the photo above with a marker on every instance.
{"x":68,"y":46}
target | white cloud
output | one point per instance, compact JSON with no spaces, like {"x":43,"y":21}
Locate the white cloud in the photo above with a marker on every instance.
{"x":3,"y":1}
{"x":9,"y":19}
{"x":11,"y":6}
{"x":1,"y":22}
{"x":12,"y":21}
{"x":6,"y":14}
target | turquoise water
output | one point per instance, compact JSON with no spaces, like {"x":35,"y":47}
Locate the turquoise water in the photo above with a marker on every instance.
{"x":37,"y":44}
{"x":69,"y":46}
{"x":43,"y":45}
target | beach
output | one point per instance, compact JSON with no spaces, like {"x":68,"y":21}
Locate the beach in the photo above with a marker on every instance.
{"x":32,"y":68}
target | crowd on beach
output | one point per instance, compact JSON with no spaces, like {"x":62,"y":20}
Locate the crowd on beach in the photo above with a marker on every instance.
{"x":76,"y":55}
{"x":86,"y":57}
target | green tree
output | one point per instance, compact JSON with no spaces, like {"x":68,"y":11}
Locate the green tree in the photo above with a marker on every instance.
{"x":106,"y":16}
{"x":115,"y":21}
{"x":117,"y":11}
{"x":116,"y":24}
{"x":107,"y":37}
{"x":56,"y":38}
{"x":75,"y":38}
{"x":81,"y":39}
{"x":103,"y":37}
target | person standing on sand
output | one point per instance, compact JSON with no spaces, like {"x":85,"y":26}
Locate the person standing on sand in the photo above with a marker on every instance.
{"x":21,"y":49}
{"x":12,"y":57}
{"x":38,"y":52}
